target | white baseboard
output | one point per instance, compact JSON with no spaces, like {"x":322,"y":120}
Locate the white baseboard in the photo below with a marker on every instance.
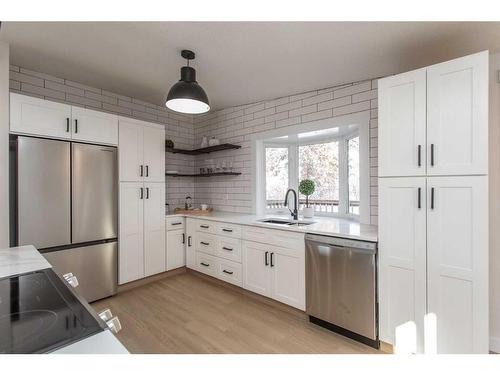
{"x":495,"y":344}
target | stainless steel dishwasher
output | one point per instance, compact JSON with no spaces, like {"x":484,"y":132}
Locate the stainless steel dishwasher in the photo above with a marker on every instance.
{"x":341,"y":286}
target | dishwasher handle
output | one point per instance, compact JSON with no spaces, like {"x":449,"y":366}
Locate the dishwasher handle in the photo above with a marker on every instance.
{"x":343,"y":243}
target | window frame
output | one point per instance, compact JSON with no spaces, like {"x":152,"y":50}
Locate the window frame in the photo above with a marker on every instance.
{"x":293,"y":143}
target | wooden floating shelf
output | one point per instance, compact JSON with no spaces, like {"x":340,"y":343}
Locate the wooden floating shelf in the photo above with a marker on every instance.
{"x":204,"y":174}
{"x":204,"y":150}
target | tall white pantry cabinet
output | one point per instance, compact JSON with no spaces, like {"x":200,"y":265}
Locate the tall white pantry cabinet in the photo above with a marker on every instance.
{"x":433,"y":207}
{"x":141,"y":159}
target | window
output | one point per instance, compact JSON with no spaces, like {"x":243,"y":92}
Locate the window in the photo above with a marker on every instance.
{"x":276,"y":175}
{"x":330,"y":158}
{"x":320,"y":162}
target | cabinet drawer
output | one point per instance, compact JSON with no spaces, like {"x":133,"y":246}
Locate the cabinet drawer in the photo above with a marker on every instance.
{"x":174,"y":223}
{"x":229,"y":248}
{"x":206,"y":243}
{"x":206,"y":264}
{"x":205,"y":226}
{"x":281,"y":238}
{"x":230,"y":272}
{"x":230,"y":230}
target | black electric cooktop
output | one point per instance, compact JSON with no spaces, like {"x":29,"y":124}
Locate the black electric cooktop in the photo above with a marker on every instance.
{"x":39,"y":313}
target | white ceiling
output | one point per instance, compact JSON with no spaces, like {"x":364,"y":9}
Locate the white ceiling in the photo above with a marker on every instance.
{"x":238,"y":62}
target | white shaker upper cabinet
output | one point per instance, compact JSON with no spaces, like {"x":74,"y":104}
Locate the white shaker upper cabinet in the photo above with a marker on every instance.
{"x":30,"y":115}
{"x":94,"y":126}
{"x":130,"y":150}
{"x":402,"y":262}
{"x":154,"y":154}
{"x":457,"y":116}
{"x":401,"y":131}
{"x":457,"y":251}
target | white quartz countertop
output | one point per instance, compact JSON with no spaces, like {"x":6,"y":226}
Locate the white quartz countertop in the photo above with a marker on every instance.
{"x":22,"y":259}
{"x":100,"y":343}
{"x":328,"y":226}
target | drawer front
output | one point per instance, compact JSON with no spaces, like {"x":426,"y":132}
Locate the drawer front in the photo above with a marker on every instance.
{"x":281,"y":238}
{"x":206,"y":226}
{"x":206,"y":243}
{"x":229,"y":248}
{"x":287,"y":239}
{"x":230,"y":272}
{"x":256,"y":234}
{"x":206,"y":264}
{"x":229,"y":230}
{"x":174,"y":223}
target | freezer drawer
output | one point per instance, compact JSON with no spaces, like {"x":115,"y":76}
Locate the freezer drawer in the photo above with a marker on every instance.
{"x":95,"y":267}
{"x":43,"y":192}
{"x":95,"y":192}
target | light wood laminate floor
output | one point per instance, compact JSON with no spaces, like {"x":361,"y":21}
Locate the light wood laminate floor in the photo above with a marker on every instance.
{"x":191,"y":313}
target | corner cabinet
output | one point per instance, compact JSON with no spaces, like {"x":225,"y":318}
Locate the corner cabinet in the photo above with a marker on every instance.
{"x":433,"y":208}
{"x":34,"y":116}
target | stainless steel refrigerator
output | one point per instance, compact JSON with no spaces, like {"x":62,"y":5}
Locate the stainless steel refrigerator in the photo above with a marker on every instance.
{"x":66,"y":205}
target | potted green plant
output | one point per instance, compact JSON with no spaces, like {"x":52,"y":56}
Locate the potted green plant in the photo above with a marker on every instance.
{"x":307,"y":187}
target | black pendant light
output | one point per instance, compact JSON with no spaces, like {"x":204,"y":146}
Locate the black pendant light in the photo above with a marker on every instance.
{"x":187,"y":96}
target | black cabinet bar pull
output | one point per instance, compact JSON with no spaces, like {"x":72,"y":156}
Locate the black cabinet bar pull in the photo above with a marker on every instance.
{"x":205,"y":264}
{"x":227,"y":248}
{"x":147,"y":193}
{"x":227,"y":230}
{"x":419,"y":155}
{"x":432,"y":198}
{"x":265,"y":258}
{"x":142,"y":171}
{"x":419,"y":198}
{"x":76,"y":125}
{"x":228,"y":272}
{"x":183,"y":238}
{"x":204,"y":226}
{"x":432,"y":154}
{"x":67,"y":124}
{"x":142,"y":193}
{"x":189,"y":241}
{"x":177,"y":223}
{"x":272,"y":258}
{"x":204,"y":243}
{"x":147,"y":170}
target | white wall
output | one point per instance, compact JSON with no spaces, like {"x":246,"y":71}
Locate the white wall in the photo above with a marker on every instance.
{"x":494,"y":186}
{"x":4,"y":145}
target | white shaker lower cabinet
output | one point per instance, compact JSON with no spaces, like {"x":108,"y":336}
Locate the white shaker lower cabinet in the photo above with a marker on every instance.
{"x":275,"y":272}
{"x":256,"y":270}
{"x":190,"y":239}
{"x":154,"y":228}
{"x":94,"y":126}
{"x":131,"y":232}
{"x":402,"y":262}
{"x":30,"y":115}
{"x":176,"y":255}
{"x":457,"y":252}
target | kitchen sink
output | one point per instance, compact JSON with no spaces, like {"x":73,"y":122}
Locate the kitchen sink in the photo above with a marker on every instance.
{"x":286,"y":222}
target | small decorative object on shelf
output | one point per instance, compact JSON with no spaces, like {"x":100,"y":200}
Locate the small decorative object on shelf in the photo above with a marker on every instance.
{"x":169,"y":143}
{"x":307,"y":187}
{"x":213,"y":142}
{"x":204,"y":142}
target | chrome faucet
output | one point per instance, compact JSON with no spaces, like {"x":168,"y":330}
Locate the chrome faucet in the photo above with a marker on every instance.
{"x":295,"y":212}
